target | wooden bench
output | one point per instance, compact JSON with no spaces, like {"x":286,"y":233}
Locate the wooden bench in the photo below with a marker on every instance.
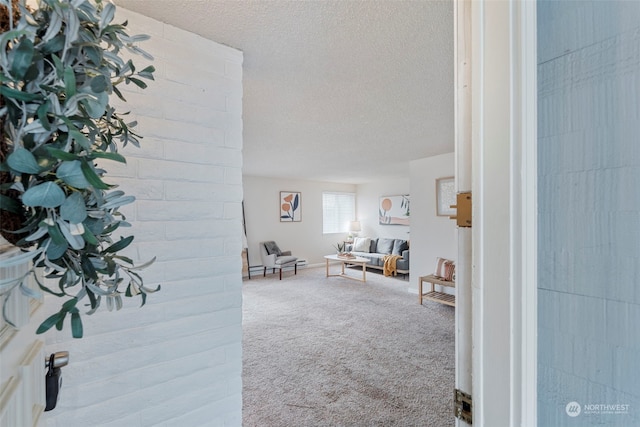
{"x":434,"y":295}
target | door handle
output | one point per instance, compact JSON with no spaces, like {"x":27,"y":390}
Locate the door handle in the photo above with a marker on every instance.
{"x":53,"y":378}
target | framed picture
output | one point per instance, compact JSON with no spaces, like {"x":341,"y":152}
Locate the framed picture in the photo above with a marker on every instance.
{"x":394,"y":210}
{"x":290,"y":206}
{"x":445,"y":196}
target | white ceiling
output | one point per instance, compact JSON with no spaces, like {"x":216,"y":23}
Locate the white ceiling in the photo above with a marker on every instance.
{"x":344,"y":91}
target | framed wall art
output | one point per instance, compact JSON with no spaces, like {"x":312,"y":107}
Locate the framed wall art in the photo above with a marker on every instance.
{"x":394,"y":210}
{"x":445,"y":196}
{"x":290,"y":206}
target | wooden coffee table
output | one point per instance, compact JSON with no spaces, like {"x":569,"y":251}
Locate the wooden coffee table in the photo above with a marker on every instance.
{"x":348,"y":261}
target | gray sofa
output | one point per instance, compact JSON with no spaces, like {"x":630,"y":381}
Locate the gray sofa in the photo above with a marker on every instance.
{"x":378,"y":248}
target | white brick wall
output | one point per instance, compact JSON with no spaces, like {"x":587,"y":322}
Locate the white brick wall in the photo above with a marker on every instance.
{"x":589,"y":211}
{"x":176,"y":361}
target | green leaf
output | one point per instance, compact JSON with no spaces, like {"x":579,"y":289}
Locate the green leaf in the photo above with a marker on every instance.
{"x":93,"y":53}
{"x":73,"y":209}
{"x":76,"y":241}
{"x":37,"y":234}
{"x":76,"y":325}
{"x":71,"y":173}
{"x":48,"y":323}
{"x":139,"y":38}
{"x":19,"y":95}
{"x":69,"y":304}
{"x":72,"y":28}
{"x":47,"y":195}
{"x":69,"y":82}
{"x":46,"y":289}
{"x":22,"y":58}
{"x":147,"y":73}
{"x":111,"y":156}
{"x":33,"y":71}
{"x":124,"y":258}
{"x":106,"y":16}
{"x":80,"y":138}
{"x":92,"y":176}
{"x":56,"y":250}
{"x":42,"y":114}
{"x":92,"y":298}
{"x":27,"y":291}
{"x":96,"y":104}
{"x":89,"y":237}
{"x":21,"y":258}
{"x":88,"y":269}
{"x":95,"y":225}
{"x":61,"y":154}
{"x":54,"y":25}
{"x":60,"y":322}
{"x":111,"y":228}
{"x":137,"y":82}
{"x":56,"y":44}
{"x":115,"y":203}
{"x":119,"y":94}
{"x":98,"y":84}
{"x":58,"y":65}
{"x":21,"y":160}
{"x":118,"y":246}
{"x":56,"y":235}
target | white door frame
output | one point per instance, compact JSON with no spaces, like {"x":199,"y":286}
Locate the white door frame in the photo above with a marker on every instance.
{"x":462,"y":71}
{"x":503,"y":181}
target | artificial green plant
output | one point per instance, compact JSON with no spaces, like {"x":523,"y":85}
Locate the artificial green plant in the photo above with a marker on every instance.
{"x":60,"y":64}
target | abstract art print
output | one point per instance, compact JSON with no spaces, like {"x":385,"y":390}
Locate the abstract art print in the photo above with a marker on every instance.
{"x":290,"y":206}
{"x":394,"y":210}
{"x":445,"y":196}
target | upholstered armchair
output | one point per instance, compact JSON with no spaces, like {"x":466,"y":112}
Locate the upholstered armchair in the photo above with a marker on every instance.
{"x":274,"y":258}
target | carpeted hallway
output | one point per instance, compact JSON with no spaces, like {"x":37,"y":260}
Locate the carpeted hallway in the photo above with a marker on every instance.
{"x":323,"y":351}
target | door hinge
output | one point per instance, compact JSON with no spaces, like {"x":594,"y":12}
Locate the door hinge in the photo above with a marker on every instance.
{"x":462,"y":406}
{"x":463,"y":209}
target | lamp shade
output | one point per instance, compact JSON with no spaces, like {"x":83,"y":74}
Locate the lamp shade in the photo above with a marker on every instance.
{"x":354,"y":226}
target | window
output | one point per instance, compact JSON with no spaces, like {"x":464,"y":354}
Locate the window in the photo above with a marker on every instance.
{"x":338,"y":209}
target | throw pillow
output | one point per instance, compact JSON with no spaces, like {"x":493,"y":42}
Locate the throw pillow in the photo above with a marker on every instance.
{"x":272,"y":248}
{"x":385,"y":246}
{"x":450,"y":271}
{"x":361,"y":244}
{"x":399,"y":246}
{"x":440,"y":267}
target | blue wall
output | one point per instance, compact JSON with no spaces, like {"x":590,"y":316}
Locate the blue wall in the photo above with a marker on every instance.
{"x":589,"y":212}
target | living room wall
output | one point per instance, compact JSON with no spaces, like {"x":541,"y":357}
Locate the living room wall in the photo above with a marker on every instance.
{"x":432,"y":236}
{"x":367,"y":207}
{"x":304,"y":239}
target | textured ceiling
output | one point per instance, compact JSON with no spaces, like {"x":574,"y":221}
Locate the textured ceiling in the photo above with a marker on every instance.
{"x":344,"y":91}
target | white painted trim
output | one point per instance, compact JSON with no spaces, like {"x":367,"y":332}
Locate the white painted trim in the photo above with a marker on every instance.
{"x":463,"y":174}
{"x":504,"y":212}
{"x":477,"y":194}
{"x":524,"y":309}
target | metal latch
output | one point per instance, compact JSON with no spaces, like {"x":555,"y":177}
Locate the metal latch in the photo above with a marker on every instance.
{"x":462,"y":406}
{"x":60,"y":359}
{"x":463,"y":209}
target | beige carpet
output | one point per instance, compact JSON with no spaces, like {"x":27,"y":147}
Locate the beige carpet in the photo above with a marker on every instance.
{"x":323,"y":351}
